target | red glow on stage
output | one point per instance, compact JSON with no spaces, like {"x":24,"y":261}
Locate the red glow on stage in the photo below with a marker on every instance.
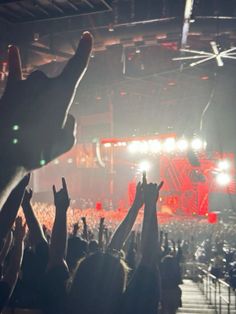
{"x":98,"y":206}
{"x":116,"y":140}
{"x":212,"y":218}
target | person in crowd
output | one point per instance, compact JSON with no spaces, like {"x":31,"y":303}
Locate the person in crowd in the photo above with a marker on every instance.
{"x":28,"y":119}
{"x":170,"y":279}
{"x":99,"y":284}
{"x":86,"y":272}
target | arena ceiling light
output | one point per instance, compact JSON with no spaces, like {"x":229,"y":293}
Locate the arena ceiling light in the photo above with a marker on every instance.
{"x":205,"y":56}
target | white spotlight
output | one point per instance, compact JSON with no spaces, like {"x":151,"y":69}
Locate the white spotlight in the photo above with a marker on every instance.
{"x":169,"y":144}
{"x":182,"y":145}
{"x":143,"y":148}
{"x":144,"y":166}
{"x":223,"y":179}
{"x":107,"y":145}
{"x":133,"y":147}
{"x":154,"y":146}
{"x":197,"y":144}
{"x":223,"y":165}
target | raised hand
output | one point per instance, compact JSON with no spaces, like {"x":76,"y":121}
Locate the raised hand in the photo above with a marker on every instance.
{"x":27,"y":197}
{"x":75,"y":229}
{"x":151,"y":193}
{"x":20,"y":230}
{"x":35,"y":126}
{"x":61,"y":197}
{"x":139,"y":197}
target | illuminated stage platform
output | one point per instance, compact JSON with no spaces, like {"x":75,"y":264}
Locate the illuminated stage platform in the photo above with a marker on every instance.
{"x":107,"y":172}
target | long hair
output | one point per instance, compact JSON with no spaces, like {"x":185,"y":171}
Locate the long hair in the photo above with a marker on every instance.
{"x":97,"y":284}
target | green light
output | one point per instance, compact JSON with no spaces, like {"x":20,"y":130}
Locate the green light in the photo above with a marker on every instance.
{"x":15,"y":127}
{"x":15,"y":141}
{"x":42,"y":162}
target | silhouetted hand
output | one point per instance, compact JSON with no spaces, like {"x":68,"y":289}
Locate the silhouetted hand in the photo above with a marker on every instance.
{"x":151,"y":193}
{"x":83,"y":220}
{"x":61,"y":198}
{"x":27,"y":197}
{"x":15,"y":198}
{"x":139,"y":197}
{"x":20,"y":230}
{"x":35,"y":125}
{"x":75,"y":229}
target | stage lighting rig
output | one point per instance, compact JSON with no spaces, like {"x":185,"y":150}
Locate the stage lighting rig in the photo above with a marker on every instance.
{"x":205,"y":56}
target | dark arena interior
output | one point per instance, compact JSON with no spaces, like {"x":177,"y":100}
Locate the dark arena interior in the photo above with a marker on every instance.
{"x":82,"y":228}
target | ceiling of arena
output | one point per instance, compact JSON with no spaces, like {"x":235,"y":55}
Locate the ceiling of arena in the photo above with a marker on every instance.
{"x":132,"y":66}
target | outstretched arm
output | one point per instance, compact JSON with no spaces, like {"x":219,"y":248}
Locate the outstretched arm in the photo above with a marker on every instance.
{"x":35,"y":228}
{"x":10,"y":277}
{"x":6,"y":247}
{"x":122,"y":232}
{"x":85,"y":229}
{"x":100,"y":233}
{"x":10,"y":208}
{"x":149,"y":239}
{"x":35,"y":110}
{"x":58,"y":247}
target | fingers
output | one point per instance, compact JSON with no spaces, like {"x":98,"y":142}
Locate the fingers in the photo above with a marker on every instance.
{"x":14,"y":64}
{"x":77,"y":65}
{"x":25,"y":180}
{"x":54,"y":190}
{"x":30,"y":193}
{"x":144,"y":178}
{"x":160,"y":185}
{"x":64,"y":186}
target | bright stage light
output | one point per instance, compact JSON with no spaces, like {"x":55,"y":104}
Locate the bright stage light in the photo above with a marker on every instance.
{"x":197,"y":144}
{"x":144,"y":166}
{"x":182,"y":145}
{"x":133,"y":147}
{"x":138,"y":147}
{"x":107,"y":145}
{"x":223,"y":179}
{"x":155,"y":146}
{"x":224,"y":165}
{"x":143,"y":147}
{"x":169,"y":145}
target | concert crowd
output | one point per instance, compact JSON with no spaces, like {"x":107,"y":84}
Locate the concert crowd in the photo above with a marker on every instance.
{"x":88,"y":264}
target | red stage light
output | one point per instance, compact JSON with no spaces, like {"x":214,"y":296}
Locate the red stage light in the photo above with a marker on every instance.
{"x":212,"y":218}
{"x":98,"y":206}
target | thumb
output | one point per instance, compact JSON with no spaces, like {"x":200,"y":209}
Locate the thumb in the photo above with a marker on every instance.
{"x":14,"y":65}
